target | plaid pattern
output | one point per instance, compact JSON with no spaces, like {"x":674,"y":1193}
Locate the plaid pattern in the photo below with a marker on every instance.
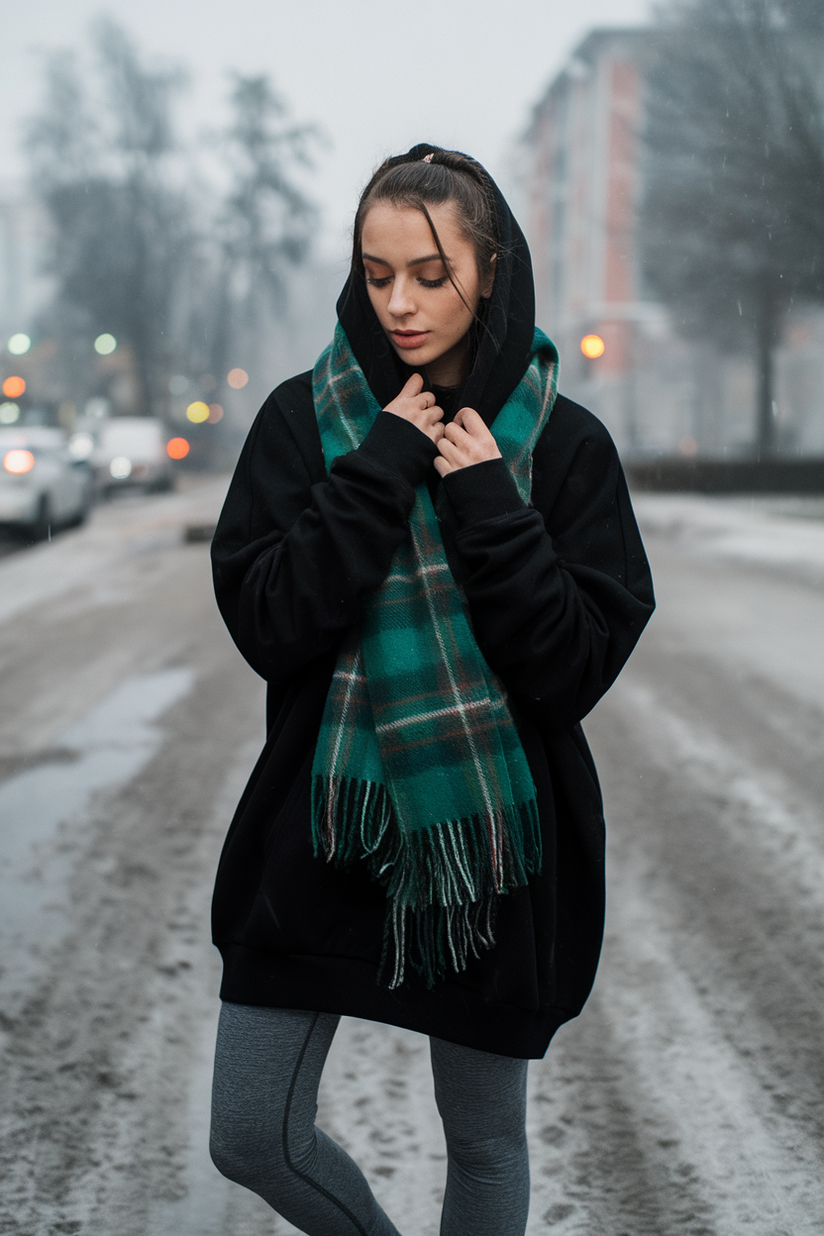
{"x":418,"y":767}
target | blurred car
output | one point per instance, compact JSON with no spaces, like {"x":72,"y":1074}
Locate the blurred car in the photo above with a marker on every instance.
{"x":124,"y":452}
{"x":42,"y":485}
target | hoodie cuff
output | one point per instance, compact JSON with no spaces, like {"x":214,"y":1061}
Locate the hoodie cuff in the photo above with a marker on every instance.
{"x":398,"y":444}
{"x":482,"y":491}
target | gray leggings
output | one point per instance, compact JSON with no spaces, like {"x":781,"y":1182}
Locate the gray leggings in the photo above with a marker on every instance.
{"x":268,"y":1066}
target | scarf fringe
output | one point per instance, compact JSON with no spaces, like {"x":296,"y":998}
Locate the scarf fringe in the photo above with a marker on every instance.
{"x":441,"y":882}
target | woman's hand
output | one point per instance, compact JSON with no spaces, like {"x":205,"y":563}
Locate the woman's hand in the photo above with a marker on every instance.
{"x":466,"y":440}
{"x":418,"y":406}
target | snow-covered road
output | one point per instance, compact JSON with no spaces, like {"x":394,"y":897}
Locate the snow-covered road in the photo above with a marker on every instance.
{"x":688,"y":1096}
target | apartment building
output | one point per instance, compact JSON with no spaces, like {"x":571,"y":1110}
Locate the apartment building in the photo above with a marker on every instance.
{"x":581,"y":165}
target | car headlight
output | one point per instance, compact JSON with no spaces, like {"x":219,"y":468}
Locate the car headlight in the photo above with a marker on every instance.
{"x":81,"y":446}
{"x":120,"y":467}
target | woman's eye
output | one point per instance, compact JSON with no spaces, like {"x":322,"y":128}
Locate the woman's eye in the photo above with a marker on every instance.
{"x":378,"y":283}
{"x":434,"y":283}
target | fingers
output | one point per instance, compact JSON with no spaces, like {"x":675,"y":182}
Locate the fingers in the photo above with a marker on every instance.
{"x":419,"y":407}
{"x":431,"y":426}
{"x":458,"y":436}
{"x":450,"y":451}
{"x":413,"y":385}
{"x":466,"y":440}
{"x":471,"y":421}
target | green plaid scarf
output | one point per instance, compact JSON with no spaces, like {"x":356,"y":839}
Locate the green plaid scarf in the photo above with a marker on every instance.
{"x":418,"y":769}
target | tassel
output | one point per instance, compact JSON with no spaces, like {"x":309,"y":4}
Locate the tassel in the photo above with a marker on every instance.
{"x":441,"y":882}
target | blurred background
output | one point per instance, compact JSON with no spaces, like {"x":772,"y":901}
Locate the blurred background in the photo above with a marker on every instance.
{"x":177,"y":188}
{"x":176,"y":202}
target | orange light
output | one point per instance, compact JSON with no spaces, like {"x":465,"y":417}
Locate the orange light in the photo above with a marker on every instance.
{"x":215,"y":413}
{"x":13,"y":387}
{"x":237,"y":378}
{"x":177,"y":448}
{"x":18,"y":461}
{"x":592,"y":346}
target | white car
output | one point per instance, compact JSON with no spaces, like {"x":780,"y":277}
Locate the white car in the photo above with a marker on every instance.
{"x":124,"y":451}
{"x":41,"y":485}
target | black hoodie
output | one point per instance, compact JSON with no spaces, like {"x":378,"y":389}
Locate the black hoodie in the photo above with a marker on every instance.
{"x":558,"y":592}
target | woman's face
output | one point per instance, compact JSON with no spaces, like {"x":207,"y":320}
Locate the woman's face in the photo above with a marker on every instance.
{"x":421,"y":312}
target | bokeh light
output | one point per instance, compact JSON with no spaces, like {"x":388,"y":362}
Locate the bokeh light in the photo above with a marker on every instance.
{"x":215,"y":413}
{"x":105,"y":344}
{"x":178,"y":385}
{"x":81,"y":445}
{"x":18,"y":344}
{"x":177,"y":448}
{"x":197,"y":412}
{"x":237,"y":378}
{"x":18,"y":461}
{"x":9,"y":413}
{"x":120,"y":467}
{"x":592,"y":346}
{"x":14,"y":387}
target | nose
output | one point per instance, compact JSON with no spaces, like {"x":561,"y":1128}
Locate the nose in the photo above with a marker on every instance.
{"x":401,"y":302}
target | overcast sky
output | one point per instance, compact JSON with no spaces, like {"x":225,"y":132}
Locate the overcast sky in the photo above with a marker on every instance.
{"x":376,"y":76}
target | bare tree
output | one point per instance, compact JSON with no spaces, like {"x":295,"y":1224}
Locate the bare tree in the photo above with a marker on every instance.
{"x":733,"y":213}
{"x":121,"y":230}
{"x":266,"y":223}
{"x":134,"y":253}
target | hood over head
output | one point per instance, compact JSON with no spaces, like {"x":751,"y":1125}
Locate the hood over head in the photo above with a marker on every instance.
{"x":501,"y":341}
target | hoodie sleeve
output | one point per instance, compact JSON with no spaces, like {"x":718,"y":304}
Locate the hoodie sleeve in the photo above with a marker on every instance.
{"x":559,"y":591}
{"x":296,"y":552}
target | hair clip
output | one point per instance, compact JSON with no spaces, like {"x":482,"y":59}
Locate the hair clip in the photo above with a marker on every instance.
{"x":427,"y":158}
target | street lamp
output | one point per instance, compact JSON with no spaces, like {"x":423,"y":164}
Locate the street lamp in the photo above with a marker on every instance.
{"x":592,"y":346}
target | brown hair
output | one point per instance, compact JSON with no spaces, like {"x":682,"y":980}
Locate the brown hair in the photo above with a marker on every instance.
{"x":429,"y":176}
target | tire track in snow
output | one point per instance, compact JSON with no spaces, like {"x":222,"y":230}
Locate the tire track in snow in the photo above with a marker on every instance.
{"x":678,"y":1103}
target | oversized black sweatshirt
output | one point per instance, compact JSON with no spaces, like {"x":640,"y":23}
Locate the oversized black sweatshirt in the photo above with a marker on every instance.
{"x":558,"y":592}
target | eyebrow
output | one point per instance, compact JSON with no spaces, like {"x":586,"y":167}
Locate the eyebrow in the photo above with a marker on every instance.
{"x":430,"y":257}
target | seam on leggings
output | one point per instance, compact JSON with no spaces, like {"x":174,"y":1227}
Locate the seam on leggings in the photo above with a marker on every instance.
{"x":313,"y":1184}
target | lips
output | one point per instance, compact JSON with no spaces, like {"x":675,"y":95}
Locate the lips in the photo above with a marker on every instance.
{"x":409,"y":338}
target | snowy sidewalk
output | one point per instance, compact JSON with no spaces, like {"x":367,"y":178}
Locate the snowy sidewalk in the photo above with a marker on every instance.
{"x":785,"y":533}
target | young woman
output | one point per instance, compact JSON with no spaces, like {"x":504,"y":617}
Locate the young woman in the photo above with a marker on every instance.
{"x":433,"y":562}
